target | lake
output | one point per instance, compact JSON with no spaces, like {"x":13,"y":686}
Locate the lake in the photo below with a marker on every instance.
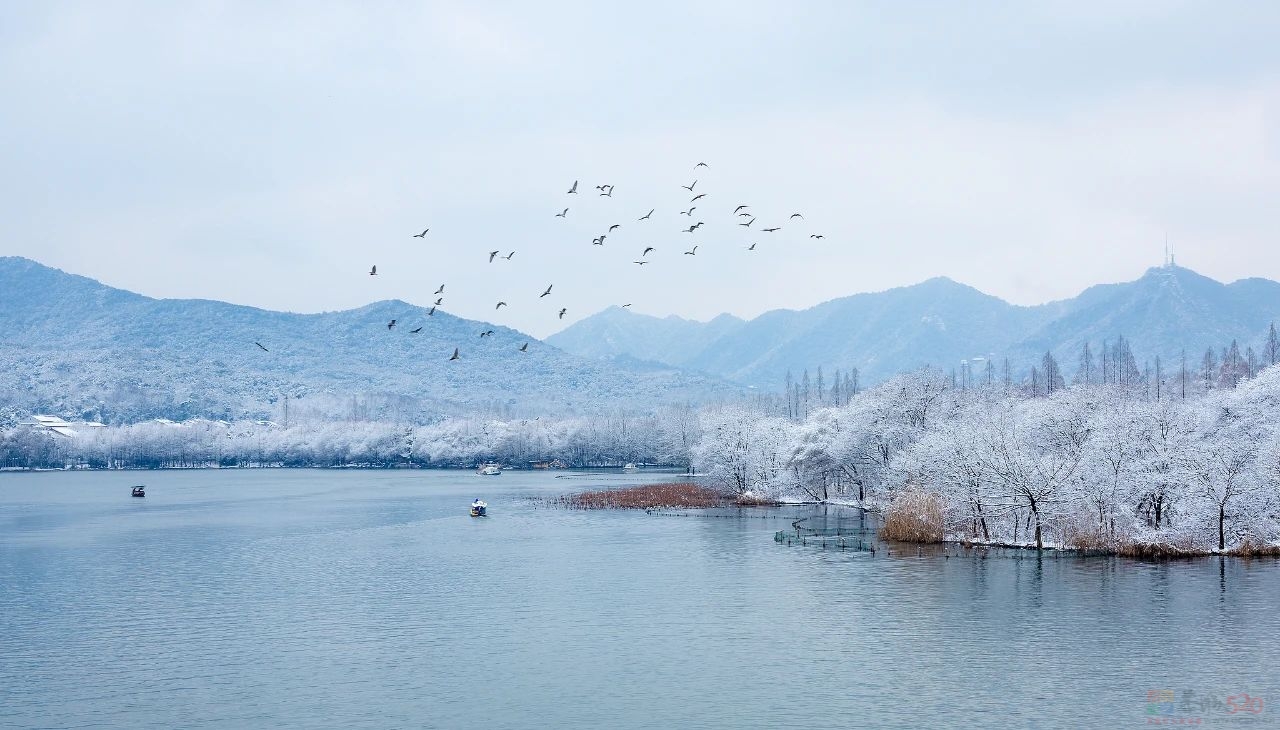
{"x":353,"y":598}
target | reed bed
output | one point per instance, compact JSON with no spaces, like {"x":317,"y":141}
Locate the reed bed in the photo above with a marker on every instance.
{"x":649,"y":496}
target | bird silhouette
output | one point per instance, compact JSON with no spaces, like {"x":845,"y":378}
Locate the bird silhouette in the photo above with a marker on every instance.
{"x":642,"y":263}
{"x":414,"y":332}
{"x":562,"y":311}
{"x":500,"y":305}
{"x":373,"y":271}
{"x":771,"y":230}
{"x":796,"y":215}
{"x":748,"y":223}
{"x":694,"y":252}
{"x":647,"y":250}
{"x":645,"y":217}
{"x":602,"y":187}
{"x":615,"y":225}
{"x":423,"y":234}
{"x":608,"y":193}
{"x":391,"y":324}
{"x":439,"y":302}
{"x":259,"y":344}
{"x":752,"y":247}
{"x":690,"y":229}
{"x":695,"y":198}
{"x":508,"y":256}
{"x":740,"y":207}
{"x":597,"y":241}
{"x":699,"y":224}
{"x":487,"y":333}
{"x":746,"y":215}
{"x":573,"y":190}
{"x":562,"y":213}
{"x":700,"y":164}
{"x":440,"y":290}
{"x":524,"y":347}
{"x":455,"y":354}
{"x":816,"y":235}
{"x":689,"y":187}
{"x":548,"y":291}
{"x":626,"y":305}
{"x":491,"y":255}
{"x":431,"y":312}
{"x":689,"y":212}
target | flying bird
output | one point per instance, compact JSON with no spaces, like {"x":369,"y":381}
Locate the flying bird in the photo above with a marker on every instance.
{"x":423,"y":234}
{"x":695,"y":198}
{"x":573,"y":190}
{"x":602,"y":187}
{"x":562,"y":311}
{"x":440,"y":290}
{"x":524,"y":347}
{"x":626,"y":305}
{"x":431,"y":312}
{"x":597,"y":241}
{"x":487,"y":333}
{"x":562,"y":213}
{"x":647,"y":250}
{"x":690,"y":229}
{"x":748,"y":223}
{"x":259,"y":344}
{"x":414,"y":332}
{"x":797,"y":215}
{"x":694,"y":252}
{"x":615,"y":225}
{"x":548,"y":291}
{"x":740,"y":207}
{"x":645,"y":217}
{"x":699,"y":224}
{"x":500,"y":305}
{"x":700,"y":164}
{"x":438,"y":302}
{"x":508,"y":256}
{"x":608,"y":193}
{"x":491,"y":255}
{"x":752,"y":247}
{"x":815,"y":235}
{"x":771,"y":230}
{"x":391,"y":324}
{"x":747,"y":215}
{"x":373,"y":271}
{"x":642,"y":263}
{"x":689,"y":212}
{"x":689,"y":187}
{"x":455,"y":354}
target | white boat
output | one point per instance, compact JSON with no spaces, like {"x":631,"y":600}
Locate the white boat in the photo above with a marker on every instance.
{"x":489,"y":470}
{"x":629,"y":467}
{"x":479,"y":508}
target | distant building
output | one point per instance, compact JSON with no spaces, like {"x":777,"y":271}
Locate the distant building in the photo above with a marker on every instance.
{"x":56,"y":426}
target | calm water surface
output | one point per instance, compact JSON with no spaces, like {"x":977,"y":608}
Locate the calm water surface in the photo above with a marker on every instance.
{"x":370,"y":599}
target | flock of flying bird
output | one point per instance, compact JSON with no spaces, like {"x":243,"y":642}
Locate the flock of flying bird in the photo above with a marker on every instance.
{"x":741,"y":211}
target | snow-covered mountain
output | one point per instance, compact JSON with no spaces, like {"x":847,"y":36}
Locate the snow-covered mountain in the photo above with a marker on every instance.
{"x":940,"y":322}
{"x":72,"y":346}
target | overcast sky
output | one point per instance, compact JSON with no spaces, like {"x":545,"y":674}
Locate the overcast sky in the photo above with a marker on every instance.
{"x":269,"y":154}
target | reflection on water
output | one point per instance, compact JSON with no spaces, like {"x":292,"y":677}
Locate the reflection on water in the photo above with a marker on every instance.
{"x":371,"y":599}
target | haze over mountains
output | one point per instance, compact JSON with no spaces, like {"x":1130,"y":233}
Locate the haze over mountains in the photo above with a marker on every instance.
{"x":77,"y":348}
{"x":941,"y":322}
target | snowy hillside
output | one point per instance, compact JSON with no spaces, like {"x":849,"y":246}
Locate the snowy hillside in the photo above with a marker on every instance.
{"x":940,"y":322}
{"x":73,"y":346}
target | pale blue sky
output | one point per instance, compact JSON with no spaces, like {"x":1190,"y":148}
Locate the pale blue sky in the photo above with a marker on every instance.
{"x":268,"y":154}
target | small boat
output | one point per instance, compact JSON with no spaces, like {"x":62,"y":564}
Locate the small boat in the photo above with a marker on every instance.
{"x":139,"y":491}
{"x":629,"y":467}
{"x":479,"y":508}
{"x":489,"y":470}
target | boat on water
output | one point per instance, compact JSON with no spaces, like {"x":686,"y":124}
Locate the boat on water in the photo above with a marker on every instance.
{"x":139,"y":491}
{"x":489,"y":470}
{"x":630,"y":467}
{"x":479,"y":508}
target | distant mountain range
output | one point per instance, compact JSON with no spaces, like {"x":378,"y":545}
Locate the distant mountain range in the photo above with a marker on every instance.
{"x":77,"y":348}
{"x":73,"y":347}
{"x":940,"y":322}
